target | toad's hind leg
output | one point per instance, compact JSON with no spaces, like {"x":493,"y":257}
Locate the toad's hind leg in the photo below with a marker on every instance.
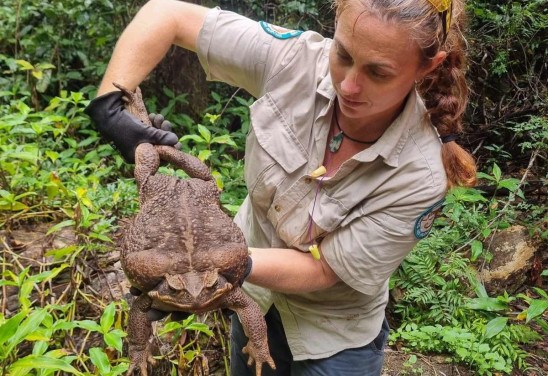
{"x":254,"y":326}
{"x":139,"y":333}
{"x":194,"y":167}
{"x":147,"y":162}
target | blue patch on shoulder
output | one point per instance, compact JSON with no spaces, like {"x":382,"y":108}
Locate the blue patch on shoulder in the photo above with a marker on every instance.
{"x":426,"y":220}
{"x":278,"y":32}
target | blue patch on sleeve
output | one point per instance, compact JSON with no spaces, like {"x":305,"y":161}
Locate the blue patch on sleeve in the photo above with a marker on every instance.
{"x":426,"y":220}
{"x":278,"y":32}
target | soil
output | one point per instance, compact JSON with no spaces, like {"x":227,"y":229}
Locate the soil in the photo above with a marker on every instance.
{"x":397,"y":363}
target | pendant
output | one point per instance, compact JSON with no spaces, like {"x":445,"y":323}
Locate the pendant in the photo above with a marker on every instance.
{"x":336,"y":142}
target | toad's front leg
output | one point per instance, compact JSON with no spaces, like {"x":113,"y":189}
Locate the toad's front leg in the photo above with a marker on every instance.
{"x":139,"y":333}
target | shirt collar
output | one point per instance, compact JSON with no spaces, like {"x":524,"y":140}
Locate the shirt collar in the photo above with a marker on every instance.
{"x":393,"y":140}
{"x":391,"y":143}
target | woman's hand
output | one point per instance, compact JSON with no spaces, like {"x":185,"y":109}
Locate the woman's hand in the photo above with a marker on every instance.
{"x":123,"y":129}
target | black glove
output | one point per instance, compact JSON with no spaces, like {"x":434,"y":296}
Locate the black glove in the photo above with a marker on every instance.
{"x":125,"y":130}
{"x":154,"y":314}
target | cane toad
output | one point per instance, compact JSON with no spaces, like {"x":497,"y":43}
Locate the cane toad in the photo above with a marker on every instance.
{"x":182,"y":251}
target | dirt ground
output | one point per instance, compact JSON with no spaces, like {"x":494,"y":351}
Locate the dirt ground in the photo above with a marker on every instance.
{"x":397,"y":363}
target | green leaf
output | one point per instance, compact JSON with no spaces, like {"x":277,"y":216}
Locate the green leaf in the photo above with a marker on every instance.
{"x":13,"y":206}
{"x":486,"y":304}
{"x":496,"y":172}
{"x":483,"y":175}
{"x":224,"y":139}
{"x":200,"y":327}
{"x":62,"y":252}
{"x":114,"y":339}
{"x":76,"y":96}
{"x":89,"y":325}
{"x":495,"y":326}
{"x":193,"y":137}
{"x":60,"y":225}
{"x":486,"y":232}
{"x":100,"y":360}
{"x":38,"y":74}
{"x":204,"y":155}
{"x":10,"y":327}
{"x":44,"y":362}
{"x":48,"y":274}
{"x":536,"y":308}
{"x":477,"y":249}
{"x":39,"y":347}
{"x":28,"y":326}
{"x":24,"y":65}
{"x":169,"y":327}
{"x":25,"y":156}
{"x":107,"y":319}
{"x":102,"y":237}
{"x":205,"y":133}
{"x":64,"y":325}
{"x":541,"y":292}
{"x":44,"y":66}
{"x":510,"y":184}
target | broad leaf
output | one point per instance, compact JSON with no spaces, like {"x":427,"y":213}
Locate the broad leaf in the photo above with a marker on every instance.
{"x":495,"y":326}
{"x":43,"y":362}
{"x":536,"y":308}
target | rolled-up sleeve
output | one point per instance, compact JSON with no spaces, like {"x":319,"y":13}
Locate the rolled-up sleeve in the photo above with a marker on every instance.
{"x":231,"y":50}
{"x":366,"y":251}
{"x":237,"y":50}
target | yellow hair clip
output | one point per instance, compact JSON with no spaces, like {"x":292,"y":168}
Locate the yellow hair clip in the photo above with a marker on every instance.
{"x":441,"y":5}
{"x":444,"y":8}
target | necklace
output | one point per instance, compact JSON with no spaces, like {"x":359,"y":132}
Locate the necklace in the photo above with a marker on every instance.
{"x":336,"y":141}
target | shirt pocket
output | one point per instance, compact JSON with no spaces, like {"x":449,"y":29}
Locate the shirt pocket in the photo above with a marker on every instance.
{"x":273,"y":151}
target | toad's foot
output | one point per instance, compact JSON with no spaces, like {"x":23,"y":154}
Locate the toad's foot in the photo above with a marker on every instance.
{"x":139,"y":359}
{"x":258,"y":356}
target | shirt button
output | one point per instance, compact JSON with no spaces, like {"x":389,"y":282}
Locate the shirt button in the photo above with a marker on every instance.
{"x":277,"y":208}
{"x":307,"y":180}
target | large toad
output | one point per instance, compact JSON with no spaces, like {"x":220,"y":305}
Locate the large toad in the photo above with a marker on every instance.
{"x":182,"y":251}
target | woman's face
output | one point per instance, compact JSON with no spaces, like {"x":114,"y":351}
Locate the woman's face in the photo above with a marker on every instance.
{"x":373,"y":65}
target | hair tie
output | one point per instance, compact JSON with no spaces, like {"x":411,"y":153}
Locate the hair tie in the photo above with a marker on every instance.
{"x":448,"y":138}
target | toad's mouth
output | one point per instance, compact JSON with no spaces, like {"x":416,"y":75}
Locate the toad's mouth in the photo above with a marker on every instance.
{"x":184,"y":301}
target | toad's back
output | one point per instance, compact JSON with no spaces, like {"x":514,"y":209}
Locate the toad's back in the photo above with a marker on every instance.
{"x":182,"y":220}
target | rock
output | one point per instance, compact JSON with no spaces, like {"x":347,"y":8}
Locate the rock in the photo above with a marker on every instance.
{"x":513,"y":256}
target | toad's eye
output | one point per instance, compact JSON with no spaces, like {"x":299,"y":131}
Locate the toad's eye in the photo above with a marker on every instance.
{"x":172,"y":289}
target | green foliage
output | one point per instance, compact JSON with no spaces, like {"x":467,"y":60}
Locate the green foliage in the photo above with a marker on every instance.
{"x":474,"y":344}
{"x":54,"y":45}
{"x":435,"y":284}
{"x":508,"y":74}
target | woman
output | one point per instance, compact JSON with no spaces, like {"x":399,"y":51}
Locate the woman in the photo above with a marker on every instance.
{"x":346,"y":163}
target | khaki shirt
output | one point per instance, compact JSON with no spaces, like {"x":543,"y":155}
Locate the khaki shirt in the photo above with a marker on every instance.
{"x":367,"y":216}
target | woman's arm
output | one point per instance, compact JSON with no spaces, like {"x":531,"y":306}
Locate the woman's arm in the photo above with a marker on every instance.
{"x":146,"y":40}
{"x":290,"y":271}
